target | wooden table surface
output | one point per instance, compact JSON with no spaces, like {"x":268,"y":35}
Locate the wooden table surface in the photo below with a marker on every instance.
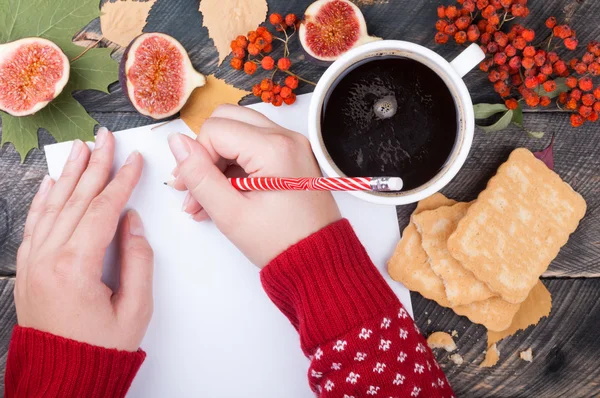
{"x":566,"y":346}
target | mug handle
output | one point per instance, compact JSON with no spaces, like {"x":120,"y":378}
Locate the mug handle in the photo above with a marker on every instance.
{"x":468,"y":59}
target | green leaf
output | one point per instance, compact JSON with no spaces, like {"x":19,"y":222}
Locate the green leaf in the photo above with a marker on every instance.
{"x":57,"y":21}
{"x":561,"y":87}
{"x":483,"y":111}
{"x":501,"y":124}
{"x":518,"y":116}
{"x":536,"y":134}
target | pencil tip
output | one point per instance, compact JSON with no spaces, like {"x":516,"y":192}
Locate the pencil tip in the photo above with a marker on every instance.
{"x":164,"y":183}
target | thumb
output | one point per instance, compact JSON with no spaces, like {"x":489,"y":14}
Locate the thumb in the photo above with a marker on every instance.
{"x":207,"y":184}
{"x":134,"y":297}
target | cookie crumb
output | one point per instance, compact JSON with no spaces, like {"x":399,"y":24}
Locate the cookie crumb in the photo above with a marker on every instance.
{"x":492,"y":355}
{"x":429,"y":321}
{"x":454,"y":333}
{"x":527,"y":355}
{"x":441,"y":340}
{"x":456,"y":358}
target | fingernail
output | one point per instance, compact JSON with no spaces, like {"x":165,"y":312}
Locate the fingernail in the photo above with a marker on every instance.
{"x":101,"y":137}
{"x":178,"y":146}
{"x":76,"y":149}
{"x":45,"y":184}
{"x":186,"y":201}
{"x":131,"y":157}
{"x":136,"y":228}
{"x":171,"y":183}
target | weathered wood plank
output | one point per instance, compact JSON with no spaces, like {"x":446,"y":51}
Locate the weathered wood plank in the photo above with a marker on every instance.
{"x":8,"y":318}
{"x":565,"y":347}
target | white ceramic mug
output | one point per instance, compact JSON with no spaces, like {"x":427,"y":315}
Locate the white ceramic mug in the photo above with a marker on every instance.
{"x":450,"y":72}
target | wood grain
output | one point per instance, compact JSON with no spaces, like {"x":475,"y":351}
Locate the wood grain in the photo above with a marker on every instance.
{"x":8,"y":318}
{"x":565,"y":347}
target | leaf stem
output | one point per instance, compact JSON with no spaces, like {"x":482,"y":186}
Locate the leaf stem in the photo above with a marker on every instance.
{"x":88,"y":48}
{"x":299,"y":78}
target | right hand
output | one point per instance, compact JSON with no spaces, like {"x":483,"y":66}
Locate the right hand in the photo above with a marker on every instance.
{"x":240,"y":142}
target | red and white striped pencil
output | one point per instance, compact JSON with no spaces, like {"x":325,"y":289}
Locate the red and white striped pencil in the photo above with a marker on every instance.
{"x":376,"y":184}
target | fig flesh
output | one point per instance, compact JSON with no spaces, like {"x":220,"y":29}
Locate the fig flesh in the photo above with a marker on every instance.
{"x":33,"y":71}
{"x":157,"y":75}
{"x":331,"y":28}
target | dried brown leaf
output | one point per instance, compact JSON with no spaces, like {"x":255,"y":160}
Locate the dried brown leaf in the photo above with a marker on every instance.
{"x":204,"y":100}
{"x":226,"y":19}
{"x":123,"y":20}
{"x":547,"y":155}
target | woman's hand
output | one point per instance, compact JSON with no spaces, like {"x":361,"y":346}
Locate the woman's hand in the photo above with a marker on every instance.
{"x":242,"y":142}
{"x":59,"y":264}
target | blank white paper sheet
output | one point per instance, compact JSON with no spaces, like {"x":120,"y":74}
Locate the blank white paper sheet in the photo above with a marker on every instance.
{"x":214,"y":332}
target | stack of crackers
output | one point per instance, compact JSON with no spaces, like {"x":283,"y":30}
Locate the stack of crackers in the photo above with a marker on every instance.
{"x":483,"y":258}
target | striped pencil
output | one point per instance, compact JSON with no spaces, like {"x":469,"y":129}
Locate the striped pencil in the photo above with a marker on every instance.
{"x":376,"y":184}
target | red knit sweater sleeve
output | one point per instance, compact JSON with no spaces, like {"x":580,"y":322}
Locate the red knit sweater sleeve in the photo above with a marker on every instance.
{"x":44,"y":365}
{"x":360,"y":339}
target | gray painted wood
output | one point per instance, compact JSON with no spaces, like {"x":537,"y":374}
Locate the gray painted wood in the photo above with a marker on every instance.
{"x":565,"y":346}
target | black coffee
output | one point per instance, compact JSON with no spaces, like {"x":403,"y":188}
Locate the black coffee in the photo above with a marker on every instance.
{"x":389,"y":116}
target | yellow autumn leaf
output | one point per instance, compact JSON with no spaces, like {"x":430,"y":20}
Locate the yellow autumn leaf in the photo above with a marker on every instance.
{"x":204,"y":100}
{"x":123,"y":20}
{"x":226,"y":19}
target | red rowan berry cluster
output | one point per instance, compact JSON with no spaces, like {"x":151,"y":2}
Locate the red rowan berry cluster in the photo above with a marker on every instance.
{"x":520,"y":70}
{"x":256,"y":46}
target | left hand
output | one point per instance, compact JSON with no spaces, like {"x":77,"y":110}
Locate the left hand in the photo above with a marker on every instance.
{"x":59,"y":264}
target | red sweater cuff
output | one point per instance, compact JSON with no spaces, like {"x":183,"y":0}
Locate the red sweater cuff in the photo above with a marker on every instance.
{"x":42,"y":364}
{"x":326,"y":285}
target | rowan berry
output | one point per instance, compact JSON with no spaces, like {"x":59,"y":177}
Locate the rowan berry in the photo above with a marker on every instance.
{"x":441,"y":38}
{"x":510,"y":50}
{"x":518,"y":10}
{"x":588,"y":58}
{"x":551,"y":22}
{"x":530,"y":72}
{"x":488,"y":11}
{"x":252,"y":36}
{"x":593,"y":117}
{"x":499,"y":86}
{"x":571,"y":43}
{"x":585,"y":111}
{"x":493,"y":22}
{"x":586,"y":83}
{"x":460,"y":37}
{"x":503,"y":69}
{"x":268,"y":36}
{"x":236,"y":63}
{"x":276,"y":89}
{"x":540,"y":58}
{"x":500,"y":58}
{"x":494,"y":76}
{"x":501,"y":38}
{"x":546,"y":69}
{"x":462,"y":23}
{"x":571,"y":104}
{"x":469,"y":5}
{"x":562,"y":97}
{"x":481,"y":4}
{"x":485,"y":39}
{"x":506,"y":3}
{"x":256,"y":90}
{"x":482,"y":24}
{"x":268,"y":48}
{"x":545,"y":101}
{"x":267,"y":96}
{"x":541,"y":78}
{"x":290,"y":19}
{"x":249,"y":67}
{"x":515,"y":62}
{"x":267,"y":63}
{"x":519,"y":43}
{"x":511,"y":104}
{"x":528,"y":35}
{"x":571,"y":82}
{"x":550,"y":86}
{"x":239,"y":53}
{"x":516,"y":79}
{"x":576,"y":94}
{"x":496,"y":3}
{"x":560,"y":67}
{"x":531,"y":82}
{"x":277,"y":100}
{"x":492,"y":47}
{"x":594,"y":48}
{"x":581,"y":68}
{"x":485,"y":65}
{"x":261,"y":30}
{"x":290,"y":100}
{"x":552,"y":57}
{"x":275,"y":19}
{"x":528,"y":63}
{"x":253,"y":49}
{"x":233,"y":45}
{"x":451,"y":30}
{"x":594,"y":69}
{"x":440,"y":25}
{"x":291,"y":82}
{"x":441,"y":12}
{"x":576,"y":120}
{"x":562,"y":31}
{"x":473,"y":33}
{"x":505,"y":93}
{"x":597,"y":106}
{"x":597,"y":93}
{"x":529,"y":51}
{"x":241,"y":41}
{"x":533,"y":100}
{"x":266,"y":85}
{"x":573,"y":63}
{"x":285,"y":92}
{"x":284,"y":63}
{"x":588,"y":99}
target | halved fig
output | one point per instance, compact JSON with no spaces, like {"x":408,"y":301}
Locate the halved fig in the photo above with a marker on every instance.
{"x":157,"y":75}
{"x":33,"y":71}
{"x":331,"y":28}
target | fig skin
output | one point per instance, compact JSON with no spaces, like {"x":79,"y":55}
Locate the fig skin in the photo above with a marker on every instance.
{"x":7,"y":50}
{"x":310,"y":14}
{"x":193,"y":79}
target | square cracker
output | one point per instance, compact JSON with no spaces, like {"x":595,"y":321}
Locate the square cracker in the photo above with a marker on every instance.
{"x":494,"y":313}
{"x":410,"y":264}
{"x":435,"y":226}
{"x":516,"y":227}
